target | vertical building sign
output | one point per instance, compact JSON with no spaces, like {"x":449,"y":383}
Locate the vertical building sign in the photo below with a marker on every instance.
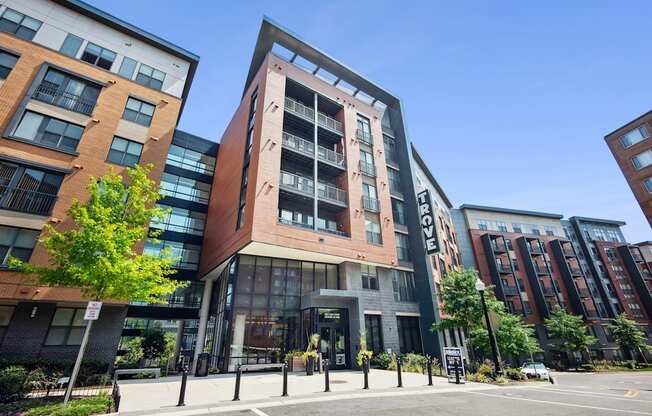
{"x":428,"y":223}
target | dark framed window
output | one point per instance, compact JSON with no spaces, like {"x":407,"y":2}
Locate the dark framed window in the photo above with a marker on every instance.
{"x":139,"y":112}
{"x":372,"y":230}
{"x":48,"y":131}
{"x":71,"y":45}
{"x":394,"y":179}
{"x":6,"y":313}
{"x":22,"y":26}
{"x":69,"y":92}
{"x":150,"y":77}
{"x":124,"y":152}
{"x":16,"y":242}
{"x":29,"y":190}
{"x":127,"y":67}
{"x":7,"y":63}
{"x":363,"y":132}
{"x":190,"y":160}
{"x":398,"y":212}
{"x":391,"y":150}
{"x":244,"y":179}
{"x":402,"y":247}
{"x":409,"y":334}
{"x":188,"y":189}
{"x":67,"y":327}
{"x":369,"y":277}
{"x":98,"y":56}
{"x":403,"y":286}
{"x":374,"y":333}
{"x":187,"y":255}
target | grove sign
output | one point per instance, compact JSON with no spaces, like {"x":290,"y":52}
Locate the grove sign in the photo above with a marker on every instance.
{"x":428,"y":224}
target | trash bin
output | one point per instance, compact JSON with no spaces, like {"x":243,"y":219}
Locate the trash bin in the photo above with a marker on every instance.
{"x":202,"y":365}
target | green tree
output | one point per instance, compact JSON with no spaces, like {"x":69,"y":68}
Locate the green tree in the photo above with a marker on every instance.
{"x":153,"y":343}
{"x":628,"y":336}
{"x":512,"y":336}
{"x":568,"y":331}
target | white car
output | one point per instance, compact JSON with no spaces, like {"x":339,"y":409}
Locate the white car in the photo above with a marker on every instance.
{"x":537,"y":370}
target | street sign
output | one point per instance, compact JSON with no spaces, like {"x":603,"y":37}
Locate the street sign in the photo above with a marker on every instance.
{"x":92,"y":311}
{"x":454,"y":359}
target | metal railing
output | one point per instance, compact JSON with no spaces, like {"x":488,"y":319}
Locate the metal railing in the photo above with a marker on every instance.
{"x":334,"y":232}
{"x":503,"y":268}
{"x":364,"y":136}
{"x":296,"y":182}
{"x":51,"y":94}
{"x":295,"y":107}
{"x":637,"y":256}
{"x":295,"y":223}
{"x":329,"y":123}
{"x":370,"y":204}
{"x":331,"y":193}
{"x":584,"y":292}
{"x":548,"y":291}
{"x":540,"y":269}
{"x":575,"y":271}
{"x":25,"y":200}
{"x":367,"y":168}
{"x":331,"y":156}
{"x":534,"y":248}
{"x":298,"y":144}
{"x":510,"y":290}
{"x":499,"y":246}
{"x":567,"y":251}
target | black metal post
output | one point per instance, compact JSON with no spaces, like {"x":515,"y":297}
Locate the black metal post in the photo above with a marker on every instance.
{"x":398,"y":371}
{"x":182,"y":392}
{"x":365,"y":370}
{"x":430,"y":371}
{"x":492,"y":337}
{"x":238,"y":374}
{"x":327,"y":381}
{"x":285,"y":380}
{"x":457,"y":372}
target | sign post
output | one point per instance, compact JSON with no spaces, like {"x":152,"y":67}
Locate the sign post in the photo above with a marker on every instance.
{"x":428,"y":223}
{"x":92,"y":314}
{"x":454,"y":364}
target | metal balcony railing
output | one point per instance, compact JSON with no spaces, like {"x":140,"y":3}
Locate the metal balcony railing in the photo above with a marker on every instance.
{"x":367,"y":168}
{"x":25,"y":200}
{"x":331,"y":156}
{"x":295,"y":107}
{"x":500,"y":247}
{"x":568,"y":251}
{"x":592,"y":313}
{"x":548,"y":291}
{"x":503,"y":268}
{"x":541,"y":269}
{"x":584,"y":292}
{"x":331,"y":193}
{"x":329,"y":123}
{"x":298,"y":183}
{"x":51,"y":94}
{"x":534,"y":248}
{"x":575,"y":271}
{"x":370,"y":204}
{"x":510,"y":290}
{"x":296,"y":143}
{"x":364,"y":136}
{"x":637,"y":257}
{"x":294,"y":223}
{"x":334,"y":232}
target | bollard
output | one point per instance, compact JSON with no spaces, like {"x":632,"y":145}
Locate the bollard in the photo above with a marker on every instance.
{"x":398,"y":371}
{"x":285,"y":380}
{"x":238,"y":374}
{"x":182,"y":392}
{"x":365,"y":370}
{"x":429,"y":371}
{"x":327,"y":381}
{"x":550,"y":379}
{"x":457,"y":372}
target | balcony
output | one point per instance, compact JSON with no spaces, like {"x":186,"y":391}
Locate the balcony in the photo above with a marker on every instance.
{"x":364,"y":136}
{"x":541,"y":269}
{"x":330,"y":156}
{"x":295,"y":107}
{"x":637,"y":256}
{"x":567,"y":250}
{"x":25,"y":200}
{"x":575,"y":271}
{"x":499,"y":247}
{"x":295,"y":223}
{"x":334,"y":232}
{"x":51,"y":94}
{"x":370,"y":204}
{"x":510,"y":290}
{"x":331,"y":194}
{"x":503,"y":268}
{"x":592,"y":313}
{"x":296,"y":183}
{"x":548,"y":291}
{"x":329,"y":123}
{"x":584,"y":292}
{"x":299,"y":145}
{"x":535,"y":249}
{"x":367,"y":168}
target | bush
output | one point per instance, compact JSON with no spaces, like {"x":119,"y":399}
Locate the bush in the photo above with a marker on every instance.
{"x":515,"y":374}
{"x":478,"y":378}
{"x":13,"y":383}
{"x":153,"y":343}
{"x":631,"y":364}
{"x":363,"y":354}
{"x":82,"y":407}
{"x":54,"y":369}
{"x":486,"y":368}
{"x":309,"y":354}
{"x":412,"y":363}
{"x":293,"y":353}
{"x":587,"y":367}
{"x":382,"y":360}
{"x":502,"y":380}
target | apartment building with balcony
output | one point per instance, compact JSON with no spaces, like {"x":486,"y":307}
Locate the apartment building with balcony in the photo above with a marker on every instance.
{"x":81,"y":91}
{"x":631,"y":146}
{"x":302,"y":237}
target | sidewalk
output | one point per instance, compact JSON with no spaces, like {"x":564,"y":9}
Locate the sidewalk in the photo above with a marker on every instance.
{"x":161,"y":396}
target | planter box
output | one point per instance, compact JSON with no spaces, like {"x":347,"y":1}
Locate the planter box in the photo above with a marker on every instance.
{"x":296,"y":364}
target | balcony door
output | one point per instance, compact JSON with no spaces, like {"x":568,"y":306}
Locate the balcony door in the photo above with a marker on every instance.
{"x":28,"y":190}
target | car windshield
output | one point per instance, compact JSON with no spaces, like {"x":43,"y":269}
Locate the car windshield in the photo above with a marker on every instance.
{"x":537,"y":366}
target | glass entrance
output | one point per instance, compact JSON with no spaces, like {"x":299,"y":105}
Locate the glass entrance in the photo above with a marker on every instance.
{"x":332,"y":327}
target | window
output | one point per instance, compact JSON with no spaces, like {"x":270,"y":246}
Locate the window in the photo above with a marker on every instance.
{"x":98,"y":56}
{"x":124,"y":152}
{"x":7,"y":63}
{"x":363,"y":132}
{"x":150,"y":77}
{"x":6,"y":312}
{"x":391,"y":150}
{"x":367,"y":163}
{"x":482,"y":225}
{"x":20,"y":25}
{"x":138,"y":111}
{"x":403,"y":286}
{"x":550,"y":231}
{"x":67,"y":327}
{"x":185,"y":188}
{"x":642,"y":160}
{"x":71,"y":93}
{"x":501,"y":226}
{"x":16,"y":242}
{"x":370,"y":198}
{"x":409,"y":334}
{"x":394,"y":179}
{"x":190,"y":160}
{"x":127,"y":67}
{"x":518,"y":228}
{"x":402,"y":247}
{"x":398,"y":212}
{"x":28,"y":190}
{"x":49,"y":131}
{"x":374,"y":333}
{"x":71,"y":45}
{"x":636,"y":310}
{"x":249,"y":143}
{"x":182,"y":221}
{"x":187,"y":255}
{"x":372,"y":231}
{"x":369,"y":277}
{"x":634,"y":136}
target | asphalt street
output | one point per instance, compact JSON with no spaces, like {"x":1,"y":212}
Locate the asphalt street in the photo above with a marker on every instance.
{"x":573,"y":394}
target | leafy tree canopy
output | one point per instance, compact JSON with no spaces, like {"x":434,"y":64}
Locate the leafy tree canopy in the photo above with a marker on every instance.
{"x":628,"y":336}
{"x":568,"y":330}
{"x":512,"y":336}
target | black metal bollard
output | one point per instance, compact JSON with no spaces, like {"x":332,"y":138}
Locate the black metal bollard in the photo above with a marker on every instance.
{"x":398,"y":371}
{"x":365,"y":370}
{"x":429,"y":371}
{"x":182,"y":392}
{"x":238,"y":374}
{"x":457,"y":372}
{"x":327,"y":381}
{"x":285,"y":379}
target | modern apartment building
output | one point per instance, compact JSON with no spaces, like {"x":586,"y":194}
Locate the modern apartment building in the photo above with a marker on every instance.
{"x":302,"y":237}
{"x":632,"y":149}
{"x":80,"y":91}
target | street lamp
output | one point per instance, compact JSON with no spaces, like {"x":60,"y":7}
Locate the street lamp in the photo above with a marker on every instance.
{"x":480,"y":287}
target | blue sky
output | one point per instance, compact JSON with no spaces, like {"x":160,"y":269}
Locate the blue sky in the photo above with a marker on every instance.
{"x":508,"y":101}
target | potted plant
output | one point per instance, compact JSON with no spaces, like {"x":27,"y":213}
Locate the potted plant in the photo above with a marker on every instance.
{"x":309,"y":358}
{"x":294,"y":359}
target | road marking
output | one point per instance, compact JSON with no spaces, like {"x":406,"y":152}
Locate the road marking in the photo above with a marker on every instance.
{"x":577,"y":393}
{"x":500,"y":396}
{"x":632,"y":393}
{"x":258,"y":412}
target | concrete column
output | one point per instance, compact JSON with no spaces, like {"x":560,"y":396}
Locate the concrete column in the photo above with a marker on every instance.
{"x":203,"y":322}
